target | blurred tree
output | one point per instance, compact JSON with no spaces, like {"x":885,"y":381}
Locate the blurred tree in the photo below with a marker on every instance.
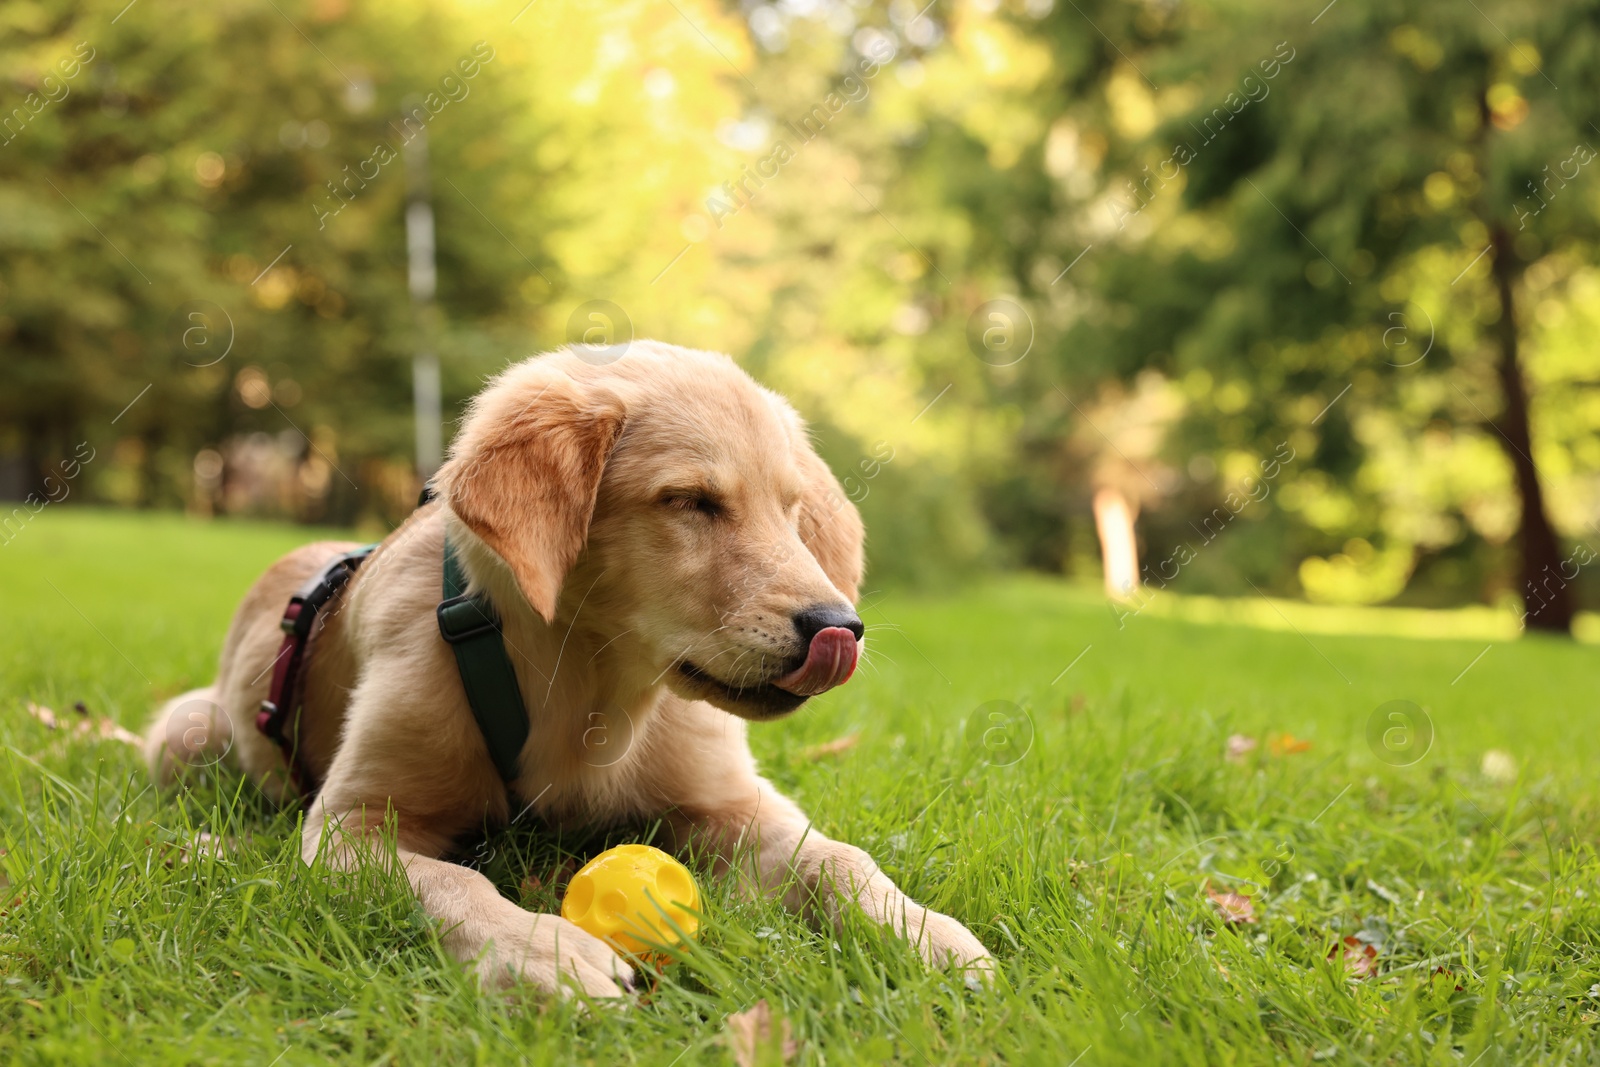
{"x":1323,"y":226}
{"x":228,"y":180}
{"x":1312,"y":231}
{"x":1409,"y":143}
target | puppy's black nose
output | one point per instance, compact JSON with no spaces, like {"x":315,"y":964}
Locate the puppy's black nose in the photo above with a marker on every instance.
{"x":818,"y":617}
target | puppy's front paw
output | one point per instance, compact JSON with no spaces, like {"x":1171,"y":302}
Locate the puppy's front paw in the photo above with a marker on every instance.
{"x":943,"y":941}
{"x":555,"y":956}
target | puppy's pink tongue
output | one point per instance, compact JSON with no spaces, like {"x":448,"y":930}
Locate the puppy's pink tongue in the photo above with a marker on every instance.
{"x":830,"y":661}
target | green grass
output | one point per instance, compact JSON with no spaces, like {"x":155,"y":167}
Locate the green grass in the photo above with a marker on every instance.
{"x":1083,"y":862}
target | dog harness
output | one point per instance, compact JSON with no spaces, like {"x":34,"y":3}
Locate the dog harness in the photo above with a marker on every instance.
{"x":279,"y":717}
{"x":469,"y":624}
{"x":472,"y":627}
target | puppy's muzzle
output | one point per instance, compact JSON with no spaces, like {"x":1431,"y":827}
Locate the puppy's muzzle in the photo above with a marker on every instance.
{"x":832,"y":635}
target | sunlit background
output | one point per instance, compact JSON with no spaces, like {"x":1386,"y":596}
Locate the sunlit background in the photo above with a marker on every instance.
{"x":1212,"y":298}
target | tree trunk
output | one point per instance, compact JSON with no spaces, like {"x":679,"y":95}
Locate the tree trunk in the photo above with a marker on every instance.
{"x":1119,"y":545}
{"x":1545,"y":592}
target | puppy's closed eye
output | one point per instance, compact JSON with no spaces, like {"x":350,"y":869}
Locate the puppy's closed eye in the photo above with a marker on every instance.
{"x":695,"y":501}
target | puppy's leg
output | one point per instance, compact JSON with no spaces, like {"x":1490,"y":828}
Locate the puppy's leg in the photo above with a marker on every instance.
{"x":773,"y":840}
{"x":187,"y":730}
{"x":503,"y":942}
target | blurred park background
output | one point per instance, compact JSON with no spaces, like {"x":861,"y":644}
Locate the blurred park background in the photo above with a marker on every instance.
{"x":1290,"y":298}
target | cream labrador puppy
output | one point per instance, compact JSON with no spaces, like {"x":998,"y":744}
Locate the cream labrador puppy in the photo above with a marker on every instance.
{"x":670,"y":560}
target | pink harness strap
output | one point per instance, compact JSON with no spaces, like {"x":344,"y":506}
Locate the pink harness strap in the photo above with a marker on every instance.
{"x":279,"y":716}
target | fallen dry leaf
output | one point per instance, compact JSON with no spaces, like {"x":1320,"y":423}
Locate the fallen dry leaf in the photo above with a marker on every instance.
{"x":1287,"y":744}
{"x":556,"y":877}
{"x":105,"y":728}
{"x":1235,"y":907}
{"x":831,"y":748}
{"x":1239,"y":746}
{"x":1360,"y":959}
{"x":201,"y":845}
{"x":750,"y":1031}
{"x":112,"y":732}
{"x":1499,"y":766}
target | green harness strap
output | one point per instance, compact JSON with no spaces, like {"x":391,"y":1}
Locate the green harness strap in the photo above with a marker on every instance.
{"x":472,"y":627}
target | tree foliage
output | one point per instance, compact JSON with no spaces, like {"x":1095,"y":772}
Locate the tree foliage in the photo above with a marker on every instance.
{"x":1236,"y":231}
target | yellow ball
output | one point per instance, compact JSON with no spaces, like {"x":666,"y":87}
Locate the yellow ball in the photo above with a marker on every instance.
{"x":626,"y":894}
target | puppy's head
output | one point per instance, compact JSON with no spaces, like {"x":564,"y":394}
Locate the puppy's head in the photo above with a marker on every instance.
{"x":668,"y":504}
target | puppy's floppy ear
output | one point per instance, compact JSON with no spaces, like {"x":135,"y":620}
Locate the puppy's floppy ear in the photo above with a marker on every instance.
{"x":830,"y":526}
{"x":525,"y":470}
